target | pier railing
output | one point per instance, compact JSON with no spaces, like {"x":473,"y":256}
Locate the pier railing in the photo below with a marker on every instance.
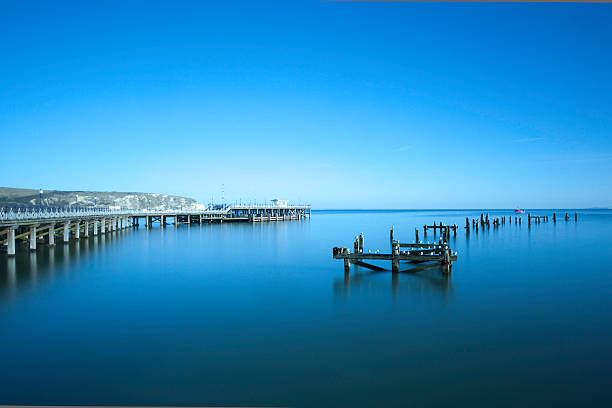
{"x":32,"y":213}
{"x":35,"y":213}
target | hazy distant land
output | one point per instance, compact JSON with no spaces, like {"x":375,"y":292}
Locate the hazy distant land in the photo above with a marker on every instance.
{"x":20,"y":197}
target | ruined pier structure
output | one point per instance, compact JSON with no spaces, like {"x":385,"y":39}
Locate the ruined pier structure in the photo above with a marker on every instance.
{"x":484,"y":221}
{"x":417,"y":252}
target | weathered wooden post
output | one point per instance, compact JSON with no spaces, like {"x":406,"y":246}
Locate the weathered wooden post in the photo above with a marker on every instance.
{"x":395,"y":265}
{"x":529,"y":219}
{"x":347,"y":262}
{"x":395,"y":261}
{"x":554,"y":217}
{"x":576,"y":216}
{"x":455,"y":230}
{"x":566,"y":217}
{"x":416,"y":235}
{"x":467,"y":223}
{"x":361,"y":243}
{"x":391,"y":237}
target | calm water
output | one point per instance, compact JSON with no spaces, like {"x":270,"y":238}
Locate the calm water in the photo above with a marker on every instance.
{"x":262,"y":315}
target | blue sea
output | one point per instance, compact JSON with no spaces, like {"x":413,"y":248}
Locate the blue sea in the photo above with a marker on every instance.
{"x":262,"y":315}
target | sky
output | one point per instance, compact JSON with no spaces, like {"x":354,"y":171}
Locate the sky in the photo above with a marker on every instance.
{"x":336,"y":104}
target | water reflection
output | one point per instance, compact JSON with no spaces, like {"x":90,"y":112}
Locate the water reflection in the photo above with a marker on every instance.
{"x":31,"y":268}
{"x":430,"y":279}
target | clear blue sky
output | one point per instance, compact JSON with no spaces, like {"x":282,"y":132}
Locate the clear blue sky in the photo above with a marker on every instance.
{"x":343,"y":105}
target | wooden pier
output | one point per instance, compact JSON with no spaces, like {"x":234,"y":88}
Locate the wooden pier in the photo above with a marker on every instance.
{"x":417,"y":252}
{"x":31,"y":226}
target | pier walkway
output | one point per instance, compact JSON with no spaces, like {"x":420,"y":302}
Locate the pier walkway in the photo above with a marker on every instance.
{"x":32,"y":225}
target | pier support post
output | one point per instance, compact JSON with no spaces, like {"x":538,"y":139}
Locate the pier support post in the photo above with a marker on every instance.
{"x":416,"y":235}
{"x":10,"y":238}
{"x":86,"y":229}
{"x":33,"y":238}
{"x":103,"y":226}
{"x":347,"y":266}
{"x":52,"y":235}
{"x":95,"y":227}
{"x":395,"y":266}
{"x":576,"y":216}
{"x":77,"y":230}
{"x":66,"y":232}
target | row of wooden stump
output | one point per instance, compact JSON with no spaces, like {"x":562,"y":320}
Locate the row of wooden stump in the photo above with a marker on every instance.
{"x":484,"y":221}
